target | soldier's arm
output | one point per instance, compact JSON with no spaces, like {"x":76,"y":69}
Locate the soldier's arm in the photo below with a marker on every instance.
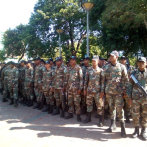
{"x":64,"y":75}
{"x":16,"y":76}
{"x":53,"y":78}
{"x":103,"y":80}
{"x":125,"y":78}
{"x":86,"y":80}
{"x":32,"y":75}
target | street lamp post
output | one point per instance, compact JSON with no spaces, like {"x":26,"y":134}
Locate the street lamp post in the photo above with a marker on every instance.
{"x":59,"y":31}
{"x":88,"y":6}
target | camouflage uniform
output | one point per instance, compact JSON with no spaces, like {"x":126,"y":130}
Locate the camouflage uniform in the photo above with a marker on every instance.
{"x":113,"y":83}
{"x":83,"y":98}
{"x":13,"y":82}
{"x":73,"y":83}
{"x":38,"y":81}
{"x":92,"y":85}
{"x":29,"y":79}
{"x":139,"y":104}
{"x":47,"y":84}
{"x":59,"y":76}
{"x":22,"y":81}
{"x":5,"y":79}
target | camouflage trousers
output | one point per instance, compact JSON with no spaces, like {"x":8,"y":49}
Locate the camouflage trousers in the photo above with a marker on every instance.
{"x":48,"y":96}
{"x":29,"y":91}
{"x":58,"y":94}
{"x":98,"y":101}
{"x":5,"y":93}
{"x":22,"y":88}
{"x":127,"y":108}
{"x":13,"y":90}
{"x":83,"y":99}
{"x":116,"y":103}
{"x":139,"y":109}
{"x":74,"y":99}
{"x":38,"y":93}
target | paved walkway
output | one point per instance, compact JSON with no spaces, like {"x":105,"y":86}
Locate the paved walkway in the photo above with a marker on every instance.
{"x":25,"y":127}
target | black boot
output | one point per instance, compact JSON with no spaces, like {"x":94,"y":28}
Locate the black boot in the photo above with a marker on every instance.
{"x":70,"y":115}
{"x":79,"y":118}
{"x":12,"y":102}
{"x":123,"y":131}
{"x":84,"y":110}
{"x":50,"y":110}
{"x":25,"y":103}
{"x":100,"y":124}
{"x":36,"y":106}
{"x":31,"y":103}
{"x":106,"y":114}
{"x":112,"y":127}
{"x":4,"y":100}
{"x":46,"y":108}
{"x":88,"y":119}
{"x":56,"y":112}
{"x":15,"y":102}
{"x":136,"y":132}
{"x":143,"y":134}
{"x":41,"y":106}
{"x":62,"y":113}
{"x":127,"y":119}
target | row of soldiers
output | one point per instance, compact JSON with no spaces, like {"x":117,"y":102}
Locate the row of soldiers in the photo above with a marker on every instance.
{"x":107,"y":84}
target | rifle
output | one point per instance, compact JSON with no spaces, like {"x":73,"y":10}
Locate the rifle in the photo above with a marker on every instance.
{"x":138,"y":84}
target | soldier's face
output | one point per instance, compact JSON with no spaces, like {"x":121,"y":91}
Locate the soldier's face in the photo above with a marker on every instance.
{"x":94,"y":62}
{"x":86,"y":61}
{"x":37,"y":62}
{"x":113,"y":58}
{"x":58,"y":63}
{"x":72,"y":62}
{"x":22,"y":64}
{"x":123,"y":61}
{"x":47,"y":65}
{"x":141,"y":65}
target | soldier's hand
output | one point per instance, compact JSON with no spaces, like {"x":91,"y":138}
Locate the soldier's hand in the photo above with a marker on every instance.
{"x":79,"y":92}
{"x":85,"y":93}
{"x":130,"y":102}
{"x":102,"y":94}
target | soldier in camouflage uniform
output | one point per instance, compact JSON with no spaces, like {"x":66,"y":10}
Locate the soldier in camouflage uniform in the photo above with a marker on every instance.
{"x":38,"y":82}
{"x":83,"y":98}
{"x":5,"y":74}
{"x":113,"y":84}
{"x":127,"y":108}
{"x":1,"y":81}
{"x":29,"y":83}
{"x":92,"y":88}
{"x":59,"y":76}
{"x":137,"y":99}
{"x":47,"y":85}
{"x":74,"y":86}
{"x":22,"y":80}
{"x":13,"y":83}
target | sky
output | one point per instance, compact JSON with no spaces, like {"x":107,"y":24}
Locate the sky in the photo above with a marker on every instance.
{"x":14,"y":12}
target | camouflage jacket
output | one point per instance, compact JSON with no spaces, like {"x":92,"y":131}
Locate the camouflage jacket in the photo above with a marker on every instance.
{"x":59,"y":76}
{"x":114,"y":78}
{"x":47,"y":79}
{"x":133,"y":92}
{"x":5,"y":73}
{"x":38,"y":75}
{"x":74,"y":78}
{"x":22,"y":73}
{"x":13,"y":75}
{"x":29,"y":75}
{"x":93,"y":80}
